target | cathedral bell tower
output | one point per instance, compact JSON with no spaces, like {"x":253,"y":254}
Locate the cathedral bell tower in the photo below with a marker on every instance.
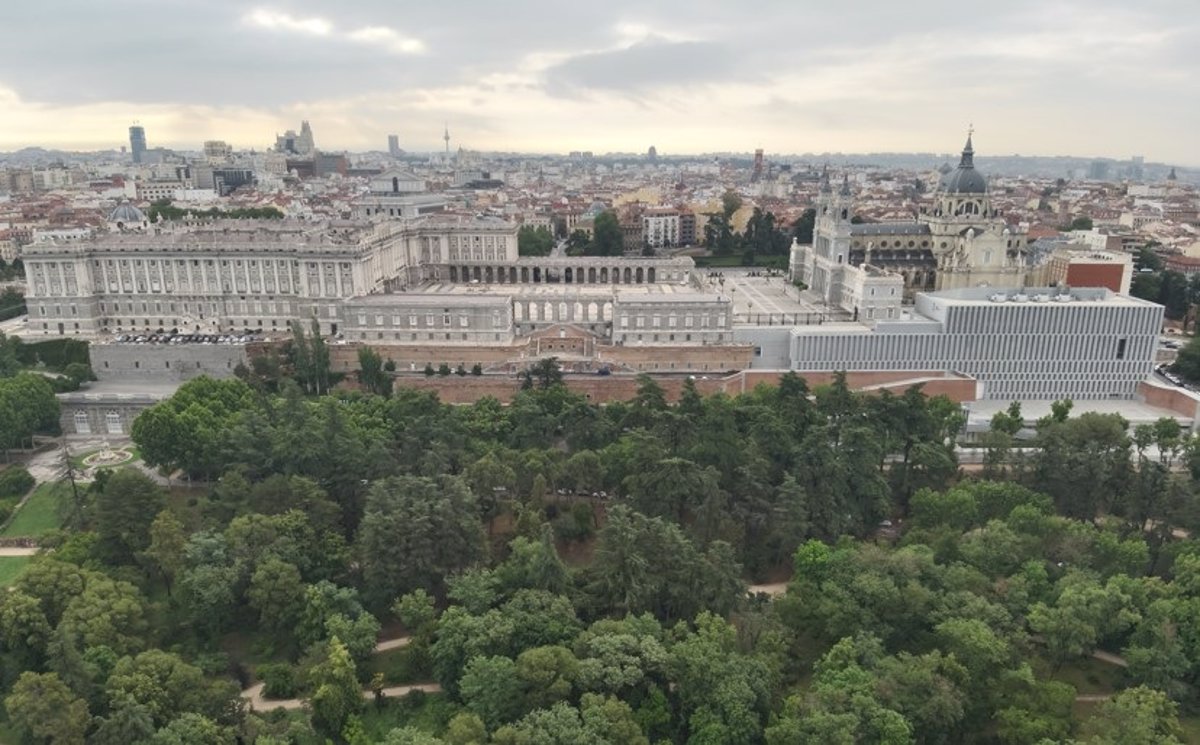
{"x":831,"y":231}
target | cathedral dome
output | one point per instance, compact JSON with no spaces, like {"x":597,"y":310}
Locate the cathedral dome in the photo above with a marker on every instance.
{"x":965,"y":179}
{"x":126,"y":214}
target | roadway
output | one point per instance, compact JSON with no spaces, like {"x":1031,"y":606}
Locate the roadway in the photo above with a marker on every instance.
{"x":14,"y":326}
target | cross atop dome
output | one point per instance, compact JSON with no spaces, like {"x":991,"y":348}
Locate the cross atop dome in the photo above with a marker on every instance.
{"x":968,"y":153}
{"x":965,"y":179}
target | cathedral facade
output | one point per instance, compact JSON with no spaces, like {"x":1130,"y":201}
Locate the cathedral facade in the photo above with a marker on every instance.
{"x":960,"y":241}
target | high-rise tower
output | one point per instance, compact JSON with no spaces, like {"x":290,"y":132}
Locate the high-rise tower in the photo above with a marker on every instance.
{"x":394,"y":146}
{"x":304,"y":143}
{"x":446,"y":137}
{"x":137,"y":142}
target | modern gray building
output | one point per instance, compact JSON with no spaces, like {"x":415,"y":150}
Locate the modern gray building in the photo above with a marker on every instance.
{"x":1044,"y":343}
{"x":137,"y":143}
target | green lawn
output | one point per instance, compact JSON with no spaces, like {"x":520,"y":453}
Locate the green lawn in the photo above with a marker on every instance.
{"x":253,"y":648}
{"x":8,"y":734}
{"x":398,"y":667}
{"x":1191,"y":729}
{"x":10,"y":567}
{"x":78,"y":458}
{"x":41,"y":512}
{"x":1088,"y":675}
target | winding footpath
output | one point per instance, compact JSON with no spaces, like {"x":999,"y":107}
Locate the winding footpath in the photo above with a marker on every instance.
{"x":254,"y":699}
{"x":775,"y":589}
{"x":18,"y":551}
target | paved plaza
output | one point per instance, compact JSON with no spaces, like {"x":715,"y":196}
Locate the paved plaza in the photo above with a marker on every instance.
{"x":769,"y":300}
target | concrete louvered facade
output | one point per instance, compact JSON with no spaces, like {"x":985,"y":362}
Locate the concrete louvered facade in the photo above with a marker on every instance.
{"x":1089,"y":344}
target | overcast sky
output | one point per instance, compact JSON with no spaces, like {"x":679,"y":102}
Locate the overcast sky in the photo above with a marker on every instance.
{"x":1090,"y":77}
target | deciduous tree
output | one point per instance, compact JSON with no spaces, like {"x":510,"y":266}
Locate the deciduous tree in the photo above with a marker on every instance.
{"x":417,"y":531}
{"x":43,"y":707}
{"x":336,"y":693}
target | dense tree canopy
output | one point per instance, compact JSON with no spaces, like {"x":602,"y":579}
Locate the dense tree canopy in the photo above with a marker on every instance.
{"x":27,"y":406}
{"x":533,"y":241}
{"x":575,"y":573}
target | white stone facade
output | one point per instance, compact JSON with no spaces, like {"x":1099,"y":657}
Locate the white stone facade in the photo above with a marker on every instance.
{"x":866,"y":291}
{"x":673,"y":319}
{"x":441,"y":279}
{"x":238,"y":274}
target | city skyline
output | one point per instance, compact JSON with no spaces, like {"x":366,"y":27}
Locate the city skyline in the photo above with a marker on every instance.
{"x":1036,"y":79}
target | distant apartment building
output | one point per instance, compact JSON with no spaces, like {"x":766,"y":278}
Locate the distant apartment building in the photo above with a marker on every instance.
{"x":226,"y":180}
{"x":394,"y":146}
{"x":46,"y":179}
{"x":1186,"y":265}
{"x":155,"y":190}
{"x":631,"y":235}
{"x":1141,"y":217}
{"x":1183,"y":213}
{"x":538,"y":220}
{"x":8,"y":246}
{"x":687,"y":227}
{"x":660,"y":227}
{"x":217,"y":150}
{"x":1078,"y":266}
{"x":327,"y":164}
{"x":1097,"y":240}
{"x":17,"y":181}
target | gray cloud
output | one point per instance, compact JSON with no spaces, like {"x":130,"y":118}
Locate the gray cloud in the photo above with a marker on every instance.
{"x":645,"y":65}
{"x":849,"y":66}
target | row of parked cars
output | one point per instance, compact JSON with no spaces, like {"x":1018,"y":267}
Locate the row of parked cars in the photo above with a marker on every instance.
{"x":1165,"y":371}
{"x":582,"y":493}
{"x":187,"y":338}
